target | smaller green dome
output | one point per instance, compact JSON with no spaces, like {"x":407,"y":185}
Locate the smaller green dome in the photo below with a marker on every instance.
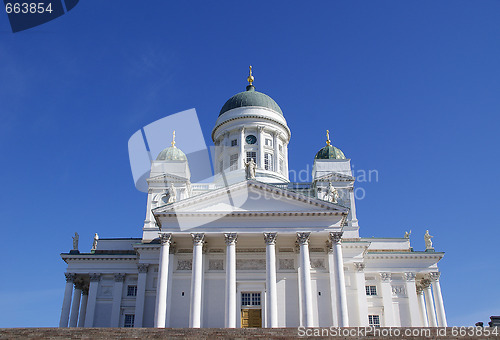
{"x":172,"y":153}
{"x":330,"y":152}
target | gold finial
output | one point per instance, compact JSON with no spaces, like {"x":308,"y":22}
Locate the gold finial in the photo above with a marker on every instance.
{"x":327,"y":137}
{"x":173,"y":139}
{"x":250,"y":77}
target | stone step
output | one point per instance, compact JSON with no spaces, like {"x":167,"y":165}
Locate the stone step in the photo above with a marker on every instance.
{"x":249,"y":333}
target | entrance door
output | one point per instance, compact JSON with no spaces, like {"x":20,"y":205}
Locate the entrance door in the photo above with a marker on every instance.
{"x":251,"y":318}
{"x":251,"y":311}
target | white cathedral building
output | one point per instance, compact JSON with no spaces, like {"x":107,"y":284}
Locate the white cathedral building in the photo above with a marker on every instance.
{"x":250,"y":248}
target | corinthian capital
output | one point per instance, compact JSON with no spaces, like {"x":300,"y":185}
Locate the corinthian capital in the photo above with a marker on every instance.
{"x":119,"y":277}
{"x":198,"y":238}
{"x":303,"y":238}
{"x":143,"y":267}
{"x":94,"y":277}
{"x":434,"y":276}
{"x":409,"y":276}
{"x":336,"y":237}
{"x":230,"y":238}
{"x":70,"y":277}
{"x":426,"y":283}
{"x":385,"y":276}
{"x":165,"y":238}
{"x":270,"y":238}
{"x":360,"y":266}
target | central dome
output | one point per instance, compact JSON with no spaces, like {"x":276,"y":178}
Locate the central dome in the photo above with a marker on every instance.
{"x":250,"y":97}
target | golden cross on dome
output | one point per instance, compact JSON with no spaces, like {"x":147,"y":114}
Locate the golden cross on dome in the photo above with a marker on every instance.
{"x":327,"y":137}
{"x":173,"y":139}
{"x":250,"y":78}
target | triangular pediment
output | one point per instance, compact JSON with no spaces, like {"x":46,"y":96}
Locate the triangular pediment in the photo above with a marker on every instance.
{"x":335,"y":177}
{"x":166,"y":178}
{"x":250,"y":197}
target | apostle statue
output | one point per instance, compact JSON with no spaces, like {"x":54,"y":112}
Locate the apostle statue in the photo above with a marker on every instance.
{"x":94,"y":244}
{"x":250,"y":169}
{"x":172,"y":194}
{"x":428,"y":242}
{"x":332,"y":195}
{"x":75,"y":241}
{"x":407,"y":234}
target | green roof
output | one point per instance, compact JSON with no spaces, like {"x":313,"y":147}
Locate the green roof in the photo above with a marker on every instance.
{"x":172,"y":153}
{"x":330,"y":152}
{"x":250,"y":97}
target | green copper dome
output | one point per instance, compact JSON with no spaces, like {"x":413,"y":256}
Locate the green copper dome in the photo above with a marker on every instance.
{"x":330,"y":152}
{"x":172,"y":153}
{"x":250,"y":97}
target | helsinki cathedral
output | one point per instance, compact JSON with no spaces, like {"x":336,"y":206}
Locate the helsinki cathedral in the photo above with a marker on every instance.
{"x":250,"y":248}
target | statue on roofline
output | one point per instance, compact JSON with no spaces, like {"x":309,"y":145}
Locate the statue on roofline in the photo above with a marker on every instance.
{"x":428,"y":242}
{"x":250,"y":169}
{"x":332,"y":194}
{"x":75,"y":241}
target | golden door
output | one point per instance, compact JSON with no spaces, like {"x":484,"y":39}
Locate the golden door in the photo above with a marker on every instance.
{"x":251,"y":318}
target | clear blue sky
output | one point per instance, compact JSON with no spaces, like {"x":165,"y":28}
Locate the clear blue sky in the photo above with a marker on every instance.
{"x":408,"y":88}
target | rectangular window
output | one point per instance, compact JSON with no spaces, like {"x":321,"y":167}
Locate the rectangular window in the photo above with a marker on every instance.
{"x":233,"y":162}
{"x":282,"y":168}
{"x":281,"y":148}
{"x":250,"y":299}
{"x":234,"y":142}
{"x":129,"y":320}
{"x":374,"y":320}
{"x":252,"y":155}
{"x":268,"y":161}
{"x":371,"y":290}
{"x":269,"y":142}
{"x":132,"y":291}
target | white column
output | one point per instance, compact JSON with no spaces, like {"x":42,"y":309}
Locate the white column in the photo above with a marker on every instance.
{"x":162,"y":281}
{"x":94,"y":285}
{"x":241,"y":144}
{"x":83,"y":307}
{"x":429,"y":303}
{"x":223,"y":150}
{"x":170,"y":278}
{"x":75,"y":306}
{"x":285,"y":158}
{"x":361,"y":293}
{"x":261,"y":141}
{"x":63,"y":321}
{"x":230,"y":316}
{"x":387,"y":299}
{"x":272,"y":291}
{"x":438,"y":299}
{"x":411,"y":291}
{"x":421,"y":306}
{"x":117,"y":300}
{"x":343,"y":317}
{"x":196,"y":281}
{"x":305,"y":264}
{"x":141,"y":293}
{"x":276,"y":157}
{"x":299,"y":284}
{"x":333,"y":285}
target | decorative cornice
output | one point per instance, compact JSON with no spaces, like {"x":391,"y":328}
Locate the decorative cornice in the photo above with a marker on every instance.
{"x":143,"y":267}
{"x":385,"y":276}
{"x":230,"y":238}
{"x":119,"y":277}
{"x":198,"y":238}
{"x":303,"y":238}
{"x":270,"y":238}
